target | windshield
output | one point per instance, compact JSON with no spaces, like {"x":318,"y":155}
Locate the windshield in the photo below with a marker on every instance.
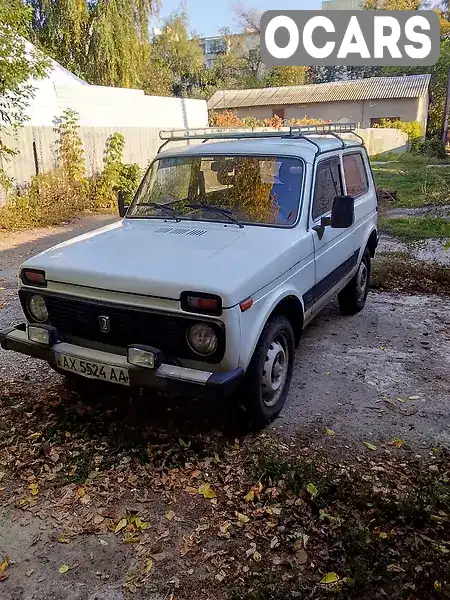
{"x":244,"y":189}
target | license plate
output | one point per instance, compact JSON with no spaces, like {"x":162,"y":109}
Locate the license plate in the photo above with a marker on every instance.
{"x":93,"y":370}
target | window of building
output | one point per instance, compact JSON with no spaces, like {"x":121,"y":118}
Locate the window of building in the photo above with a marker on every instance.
{"x":278,"y":112}
{"x":328,"y":185}
{"x":355,"y":174}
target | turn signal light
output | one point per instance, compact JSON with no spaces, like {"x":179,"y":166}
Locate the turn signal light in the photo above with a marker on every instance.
{"x":201,"y":303}
{"x":33,"y":277}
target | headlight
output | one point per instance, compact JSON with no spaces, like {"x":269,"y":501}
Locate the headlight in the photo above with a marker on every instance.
{"x":202,"y":339}
{"x":38,"y":309}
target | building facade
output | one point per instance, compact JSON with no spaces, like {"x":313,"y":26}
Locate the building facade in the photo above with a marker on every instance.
{"x":212,"y":47}
{"x":342,"y":4}
{"x":361,"y":101}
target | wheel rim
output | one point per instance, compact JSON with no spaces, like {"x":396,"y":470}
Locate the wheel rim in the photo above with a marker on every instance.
{"x":361,"y":282}
{"x":275,"y":370}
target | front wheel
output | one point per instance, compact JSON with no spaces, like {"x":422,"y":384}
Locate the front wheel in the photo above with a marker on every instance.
{"x":353,"y":297}
{"x":268,"y":377}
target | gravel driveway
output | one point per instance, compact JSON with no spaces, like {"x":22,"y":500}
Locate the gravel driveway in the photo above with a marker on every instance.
{"x":379,"y":374}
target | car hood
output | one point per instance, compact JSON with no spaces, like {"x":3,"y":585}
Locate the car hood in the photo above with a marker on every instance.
{"x":163,"y":259}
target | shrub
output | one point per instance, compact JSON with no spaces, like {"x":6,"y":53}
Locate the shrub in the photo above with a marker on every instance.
{"x":433,"y":147}
{"x":66,"y":192}
{"x":413,"y":129}
{"x":229,"y":118}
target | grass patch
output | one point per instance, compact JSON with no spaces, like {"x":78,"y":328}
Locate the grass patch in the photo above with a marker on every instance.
{"x":397,"y":271}
{"x":411,"y":229}
{"x":416,"y":185}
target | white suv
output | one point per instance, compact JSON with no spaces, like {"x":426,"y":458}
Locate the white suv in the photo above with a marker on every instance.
{"x":227,"y":251}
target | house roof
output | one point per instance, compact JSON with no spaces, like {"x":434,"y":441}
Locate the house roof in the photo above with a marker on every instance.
{"x":372,"y":88}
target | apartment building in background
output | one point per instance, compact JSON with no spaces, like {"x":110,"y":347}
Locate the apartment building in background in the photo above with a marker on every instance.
{"x":212,"y":47}
{"x":342,"y":4}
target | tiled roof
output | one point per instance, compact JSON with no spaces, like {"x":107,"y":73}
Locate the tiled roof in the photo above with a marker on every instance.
{"x":372,"y":88}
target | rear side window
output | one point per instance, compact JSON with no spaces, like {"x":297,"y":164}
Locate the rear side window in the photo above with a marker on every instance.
{"x":355,"y":174}
{"x":328,"y":185}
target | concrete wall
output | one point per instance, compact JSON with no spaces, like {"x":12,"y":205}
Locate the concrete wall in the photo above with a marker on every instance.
{"x":409,"y":109}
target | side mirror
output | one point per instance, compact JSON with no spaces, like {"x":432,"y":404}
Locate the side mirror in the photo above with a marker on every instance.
{"x":343,"y":212}
{"x":121,"y":203}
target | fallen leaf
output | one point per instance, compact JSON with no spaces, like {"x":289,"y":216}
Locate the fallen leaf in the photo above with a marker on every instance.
{"x":149,"y":565}
{"x":34,"y":489}
{"x":4,"y":575}
{"x":206,"y":491}
{"x":170,"y":515}
{"x":383,"y":535}
{"x":29,"y":572}
{"x":257,"y":556}
{"x":369,"y":446}
{"x":242,"y":518}
{"x":250,"y":496}
{"x":273,"y":542}
{"x":85,"y":499}
{"x":63,"y":539}
{"x":301,"y":557}
{"x":142,"y":525}
{"x":437,"y":586}
{"x":329,"y":431}
{"x":396,"y":442}
{"x":81,"y":492}
{"x":63,"y":568}
{"x":330,"y":578}
{"x":2,"y":474}
{"x":413,"y":397}
{"x":35,"y":436}
{"x":311,"y":488}
{"x":103,"y":542}
{"x":395,"y":569}
{"x":4,"y":564}
{"x":120,"y":525}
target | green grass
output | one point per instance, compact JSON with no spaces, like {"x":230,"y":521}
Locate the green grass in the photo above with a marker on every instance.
{"x":415,"y":185}
{"x":412,"y":229}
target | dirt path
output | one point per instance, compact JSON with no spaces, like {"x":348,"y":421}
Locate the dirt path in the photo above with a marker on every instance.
{"x":372,"y":378}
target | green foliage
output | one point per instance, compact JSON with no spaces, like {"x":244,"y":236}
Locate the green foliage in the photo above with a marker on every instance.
{"x":103,"y":42}
{"x":66,"y":192}
{"x":16,"y":68}
{"x":286,"y":75}
{"x":179,"y":57}
{"x":413,"y":129}
{"x":416,"y":185}
{"x":432,"y":147}
{"x":69,"y":147}
{"x":412,"y":229}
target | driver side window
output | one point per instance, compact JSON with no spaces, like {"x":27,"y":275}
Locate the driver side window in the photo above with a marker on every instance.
{"x":328,"y":185}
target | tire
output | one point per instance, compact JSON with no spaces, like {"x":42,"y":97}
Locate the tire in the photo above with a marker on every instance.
{"x":264,"y":390}
{"x":353,"y":297}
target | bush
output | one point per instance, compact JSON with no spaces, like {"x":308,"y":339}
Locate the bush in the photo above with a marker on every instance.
{"x":413,"y":129}
{"x":66,"y":192}
{"x":229,"y":118}
{"x":432,"y":147}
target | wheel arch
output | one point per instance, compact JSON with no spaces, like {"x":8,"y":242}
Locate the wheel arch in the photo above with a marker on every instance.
{"x":291,"y":307}
{"x":372,"y":242}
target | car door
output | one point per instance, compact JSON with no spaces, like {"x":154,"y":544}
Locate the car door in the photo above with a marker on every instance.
{"x":334,"y":249}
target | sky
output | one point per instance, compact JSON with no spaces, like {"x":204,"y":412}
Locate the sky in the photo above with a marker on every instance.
{"x":207,"y":17}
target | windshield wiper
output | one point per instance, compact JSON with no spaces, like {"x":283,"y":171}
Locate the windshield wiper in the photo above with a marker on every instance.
{"x":216,"y":209}
{"x":164,"y":207}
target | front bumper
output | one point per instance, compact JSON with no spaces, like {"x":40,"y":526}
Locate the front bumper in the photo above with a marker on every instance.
{"x":167,"y":377}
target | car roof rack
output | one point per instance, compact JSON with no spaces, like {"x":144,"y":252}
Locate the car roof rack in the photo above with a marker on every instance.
{"x":238,"y":133}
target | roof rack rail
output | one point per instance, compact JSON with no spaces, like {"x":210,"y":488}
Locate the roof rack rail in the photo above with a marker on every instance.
{"x":227,"y":133}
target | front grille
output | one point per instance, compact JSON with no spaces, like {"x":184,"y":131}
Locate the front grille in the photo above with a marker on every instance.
{"x":79,"y":318}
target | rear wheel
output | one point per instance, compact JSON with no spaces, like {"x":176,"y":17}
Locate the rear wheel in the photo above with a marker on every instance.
{"x":268,"y":377}
{"x":353,"y":297}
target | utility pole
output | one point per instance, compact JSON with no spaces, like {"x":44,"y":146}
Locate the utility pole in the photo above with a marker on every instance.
{"x":446,"y":111}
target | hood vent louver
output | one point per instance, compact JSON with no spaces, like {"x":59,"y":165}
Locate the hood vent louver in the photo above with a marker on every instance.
{"x":179,"y":231}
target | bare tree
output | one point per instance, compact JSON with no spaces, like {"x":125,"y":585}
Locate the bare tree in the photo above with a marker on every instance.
{"x":248,"y":18}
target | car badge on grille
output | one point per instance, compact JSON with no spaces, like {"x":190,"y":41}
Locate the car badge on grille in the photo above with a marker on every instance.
{"x":105,"y":325}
